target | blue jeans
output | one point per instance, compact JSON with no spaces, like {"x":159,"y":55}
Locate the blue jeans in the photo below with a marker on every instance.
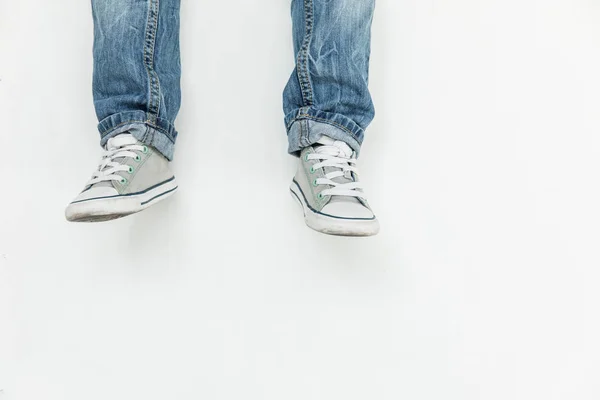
{"x":137,"y":71}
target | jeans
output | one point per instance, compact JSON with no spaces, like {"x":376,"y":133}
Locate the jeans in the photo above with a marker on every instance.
{"x":137,"y":71}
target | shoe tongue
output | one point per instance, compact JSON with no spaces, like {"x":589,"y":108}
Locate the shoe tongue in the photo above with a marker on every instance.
{"x":115,"y":143}
{"x":336,"y":148}
{"x":344,"y":150}
{"x":121,"y":140}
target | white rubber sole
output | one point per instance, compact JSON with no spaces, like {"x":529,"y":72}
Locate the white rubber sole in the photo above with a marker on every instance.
{"x":331,"y":225}
{"x":107,"y":209}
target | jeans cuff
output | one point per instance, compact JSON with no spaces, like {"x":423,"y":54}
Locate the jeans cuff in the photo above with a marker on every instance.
{"x":306,"y":126}
{"x":161,"y":134}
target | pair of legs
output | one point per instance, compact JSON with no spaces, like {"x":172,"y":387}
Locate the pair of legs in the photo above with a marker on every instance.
{"x":137,"y":72}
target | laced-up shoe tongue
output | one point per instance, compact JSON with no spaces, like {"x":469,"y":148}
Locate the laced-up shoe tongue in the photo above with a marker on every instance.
{"x":337,"y":148}
{"x":345,"y":151}
{"x":114,"y":144}
{"x":119,"y":141}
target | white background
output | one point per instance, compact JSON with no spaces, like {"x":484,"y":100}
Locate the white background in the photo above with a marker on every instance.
{"x":483,"y":166}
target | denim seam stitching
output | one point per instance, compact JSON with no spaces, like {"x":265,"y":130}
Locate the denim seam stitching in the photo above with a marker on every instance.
{"x":148,"y":123}
{"x":306,"y":116}
{"x":145,"y":136}
{"x":149,"y":48}
{"x":303,"y":54}
{"x":304,"y":134}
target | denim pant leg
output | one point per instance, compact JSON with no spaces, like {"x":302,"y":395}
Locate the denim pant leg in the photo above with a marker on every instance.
{"x":328,"y":92}
{"x":137,"y":70}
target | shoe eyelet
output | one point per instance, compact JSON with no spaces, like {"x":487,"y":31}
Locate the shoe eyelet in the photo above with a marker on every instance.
{"x":320,"y":196}
{"x":312,"y":170}
{"x":130,"y":170}
{"x":315,"y":184}
{"x":123,"y":181}
{"x":306,"y":157}
{"x":138,"y":158}
{"x":145,"y":150}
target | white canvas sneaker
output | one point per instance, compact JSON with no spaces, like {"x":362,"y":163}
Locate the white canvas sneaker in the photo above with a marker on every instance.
{"x":326,"y":186}
{"x":131,"y":177}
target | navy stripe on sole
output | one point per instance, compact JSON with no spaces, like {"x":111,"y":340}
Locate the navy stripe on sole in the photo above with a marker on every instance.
{"x":127,"y":195}
{"x":160,"y":195}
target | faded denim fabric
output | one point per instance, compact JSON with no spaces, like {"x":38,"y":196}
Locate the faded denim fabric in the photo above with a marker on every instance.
{"x":137,"y":71}
{"x":328,"y":92}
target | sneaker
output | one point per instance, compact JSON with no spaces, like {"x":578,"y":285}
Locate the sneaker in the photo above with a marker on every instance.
{"x":131,"y":177}
{"x":326,"y":186}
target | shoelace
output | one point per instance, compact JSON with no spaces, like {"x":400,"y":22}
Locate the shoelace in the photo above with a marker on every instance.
{"x":335,"y":156}
{"x":122,"y":146}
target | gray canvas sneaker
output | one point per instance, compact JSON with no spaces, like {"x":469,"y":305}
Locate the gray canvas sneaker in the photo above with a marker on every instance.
{"x":327,"y":187}
{"x":131,"y":177}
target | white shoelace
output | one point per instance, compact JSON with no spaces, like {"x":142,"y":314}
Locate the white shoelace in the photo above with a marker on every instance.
{"x":121,"y":146}
{"x":337,"y":155}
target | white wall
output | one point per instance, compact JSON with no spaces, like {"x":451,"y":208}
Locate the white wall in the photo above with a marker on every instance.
{"x":483,"y":166}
